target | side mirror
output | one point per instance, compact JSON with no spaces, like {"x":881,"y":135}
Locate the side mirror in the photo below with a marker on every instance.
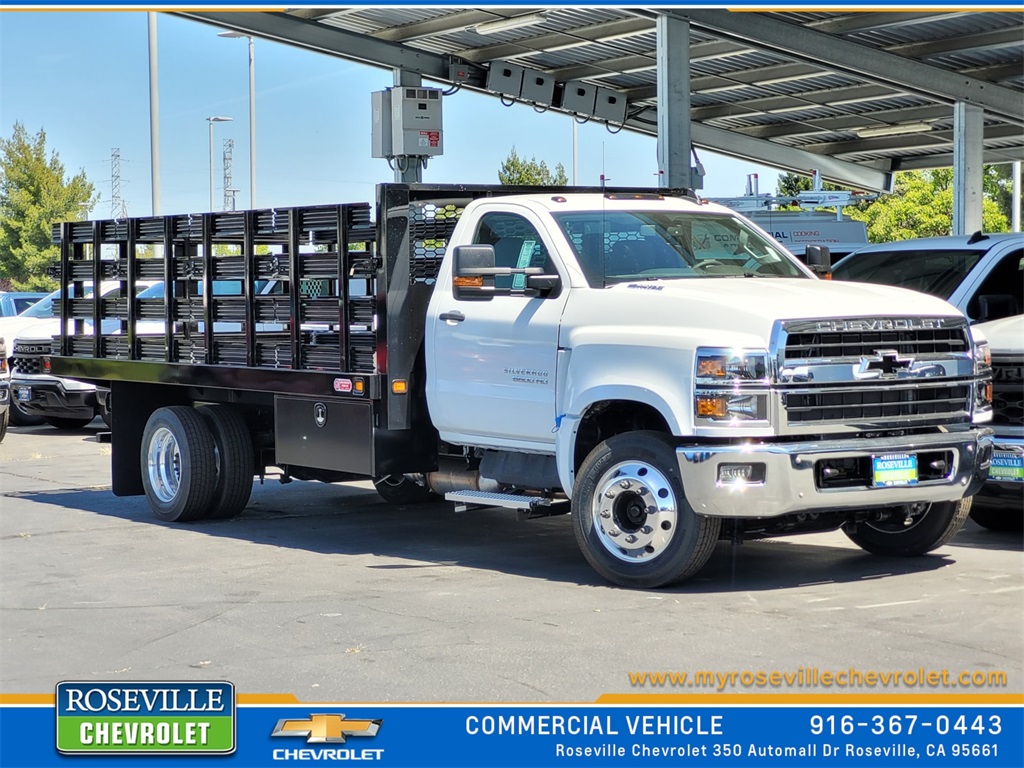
{"x":544,"y":285}
{"x":819,"y":259}
{"x":473,"y":272}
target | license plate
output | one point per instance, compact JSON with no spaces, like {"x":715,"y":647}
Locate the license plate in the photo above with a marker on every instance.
{"x":1007,"y":466}
{"x":24,"y":394}
{"x":892,"y":469}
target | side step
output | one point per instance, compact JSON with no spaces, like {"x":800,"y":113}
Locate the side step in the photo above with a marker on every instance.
{"x":527,"y":506}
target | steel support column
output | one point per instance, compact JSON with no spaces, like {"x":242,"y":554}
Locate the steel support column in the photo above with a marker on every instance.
{"x":408,"y":168}
{"x":968,"y":132}
{"x":674,"y":143}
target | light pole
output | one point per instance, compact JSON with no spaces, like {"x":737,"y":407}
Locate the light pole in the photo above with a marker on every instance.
{"x":211,"y":121}
{"x":252,"y":112}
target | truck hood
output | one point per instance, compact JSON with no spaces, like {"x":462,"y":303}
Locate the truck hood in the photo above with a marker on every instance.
{"x":746,"y":306}
{"x":1005,"y":336}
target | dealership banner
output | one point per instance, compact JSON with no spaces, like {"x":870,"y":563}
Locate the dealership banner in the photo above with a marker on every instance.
{"x":207,"y":723}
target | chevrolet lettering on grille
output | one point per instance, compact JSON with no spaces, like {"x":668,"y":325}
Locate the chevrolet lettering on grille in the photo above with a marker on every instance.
{"x":880,"y":324}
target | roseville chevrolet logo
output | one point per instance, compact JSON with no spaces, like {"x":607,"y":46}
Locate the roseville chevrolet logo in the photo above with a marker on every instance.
{"x":326,"y":729}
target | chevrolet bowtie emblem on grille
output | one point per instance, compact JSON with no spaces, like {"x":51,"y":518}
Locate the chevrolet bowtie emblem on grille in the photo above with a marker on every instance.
{"x":887,"y":362}
{"x":326,"y":729}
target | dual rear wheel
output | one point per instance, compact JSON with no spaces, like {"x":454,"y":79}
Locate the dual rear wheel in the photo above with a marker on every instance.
{"x":197,"y":462}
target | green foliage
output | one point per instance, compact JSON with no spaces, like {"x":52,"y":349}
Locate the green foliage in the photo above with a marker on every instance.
{"x":34,"y":194}
{"x":920,"y":206}
{"x":795,"y":183}
{"x":515,"y":170}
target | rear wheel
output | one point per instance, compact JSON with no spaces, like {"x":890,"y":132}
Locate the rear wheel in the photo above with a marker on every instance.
{"x":631,"y":517}
{"x":179,"y":470}
{"x":67,"y":423}
{"x":234,"y":460}
{"x":402,"y":489}
{"x":22,"y":418}
{"x":911,"y":530}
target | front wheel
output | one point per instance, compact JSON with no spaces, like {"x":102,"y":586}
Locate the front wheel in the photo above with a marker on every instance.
{"x":631,"y":517}
{"x":21,"y":418}
{"x":5,"y":419}
{"x":179,"y":465}
{"x":911,"y":530}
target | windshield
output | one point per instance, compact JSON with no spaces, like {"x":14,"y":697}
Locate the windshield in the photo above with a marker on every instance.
{"x":935,"y":272}
{"x":44,"y":307}
{"x":627,"y":246}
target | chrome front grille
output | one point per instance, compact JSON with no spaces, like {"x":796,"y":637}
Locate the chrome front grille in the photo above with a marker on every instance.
{"x":833,"y":345}
{"x":886,"y":402}
{"x":1008,"y":390}
{"x":874,"y":373}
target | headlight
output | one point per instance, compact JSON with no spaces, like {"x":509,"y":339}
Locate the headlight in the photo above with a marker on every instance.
{"x":731,"y":366}
{"x":730,"y":385}
{"x":983,"y":381}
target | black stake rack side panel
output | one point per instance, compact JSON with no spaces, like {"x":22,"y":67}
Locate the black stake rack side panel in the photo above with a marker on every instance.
{"x":262,"y":290}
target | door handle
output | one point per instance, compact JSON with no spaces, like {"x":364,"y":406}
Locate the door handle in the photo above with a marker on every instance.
{"x":454,"y":316}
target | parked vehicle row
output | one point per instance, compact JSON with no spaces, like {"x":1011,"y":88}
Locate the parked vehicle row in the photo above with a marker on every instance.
{"x":982,"y":276}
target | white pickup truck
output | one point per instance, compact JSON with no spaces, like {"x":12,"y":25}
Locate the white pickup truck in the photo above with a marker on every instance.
{"x":656,"y":365}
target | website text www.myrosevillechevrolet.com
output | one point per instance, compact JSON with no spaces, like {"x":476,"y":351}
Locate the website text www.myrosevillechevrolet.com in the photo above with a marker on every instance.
{"x":814,"y":677}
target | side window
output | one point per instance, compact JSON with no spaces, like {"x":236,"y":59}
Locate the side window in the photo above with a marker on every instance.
{"x":517,"y":244}
{"x":1001,"y":293}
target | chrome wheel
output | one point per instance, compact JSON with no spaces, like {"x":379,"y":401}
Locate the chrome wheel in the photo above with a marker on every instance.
{"x":164,"y":462}
{"x":635,"y":511}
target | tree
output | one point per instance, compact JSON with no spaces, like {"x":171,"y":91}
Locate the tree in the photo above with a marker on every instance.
{"x":517,"y":171}
{"x":920,"y":206}
{"x":34,"y":194}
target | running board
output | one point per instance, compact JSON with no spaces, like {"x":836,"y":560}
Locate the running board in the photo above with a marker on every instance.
{"x":527,"y":506}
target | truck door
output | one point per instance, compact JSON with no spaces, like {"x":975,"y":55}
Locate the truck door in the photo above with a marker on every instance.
{"x":491,"y":368}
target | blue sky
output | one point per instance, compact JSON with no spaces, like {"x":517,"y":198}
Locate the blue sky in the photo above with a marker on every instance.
{"x":84,"y":78}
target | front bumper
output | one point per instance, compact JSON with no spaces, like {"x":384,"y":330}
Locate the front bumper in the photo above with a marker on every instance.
{"x":791,"y":479}
{"x":49,"y":397}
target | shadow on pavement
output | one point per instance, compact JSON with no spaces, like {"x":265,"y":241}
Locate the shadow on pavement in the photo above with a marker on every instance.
{"x":340,"y":519}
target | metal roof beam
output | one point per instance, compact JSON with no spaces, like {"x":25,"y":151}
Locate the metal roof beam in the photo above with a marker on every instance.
{"x":856,"y":175}
{"x":540,"y":43}
{"x":996,"y":38}
{"x":804,"y":44}
{"x":909,"y":142}
{"x":945,"y":160}
{"x":312,"y":36}
{"x":845,"y":122}
{"x":453,"y":22}
{"x":863,"y":22}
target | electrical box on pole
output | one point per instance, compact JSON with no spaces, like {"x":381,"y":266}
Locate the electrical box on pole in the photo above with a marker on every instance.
{"x":407,"y":122}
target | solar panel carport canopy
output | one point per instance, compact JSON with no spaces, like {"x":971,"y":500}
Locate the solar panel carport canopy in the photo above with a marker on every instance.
{"x":856,"y":94}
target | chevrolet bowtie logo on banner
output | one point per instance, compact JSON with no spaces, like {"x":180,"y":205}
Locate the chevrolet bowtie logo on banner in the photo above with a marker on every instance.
{"x":326,"y":729}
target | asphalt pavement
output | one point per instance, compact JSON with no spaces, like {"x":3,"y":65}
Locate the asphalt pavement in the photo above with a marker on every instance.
{"x":324,"y":592}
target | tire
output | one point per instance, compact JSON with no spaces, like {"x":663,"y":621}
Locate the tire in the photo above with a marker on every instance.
{"x":5,"y":419}
{"x":931,"y":526}
{"x":22,"y":418}
{"x":626,"y":539}
{"x":234,"y":460}
{"x":61,"y":422}
{"x":996,"y":519}
{"x":104,"y":411}
{"x":179,"y":471}
{"x":401,"y":490}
